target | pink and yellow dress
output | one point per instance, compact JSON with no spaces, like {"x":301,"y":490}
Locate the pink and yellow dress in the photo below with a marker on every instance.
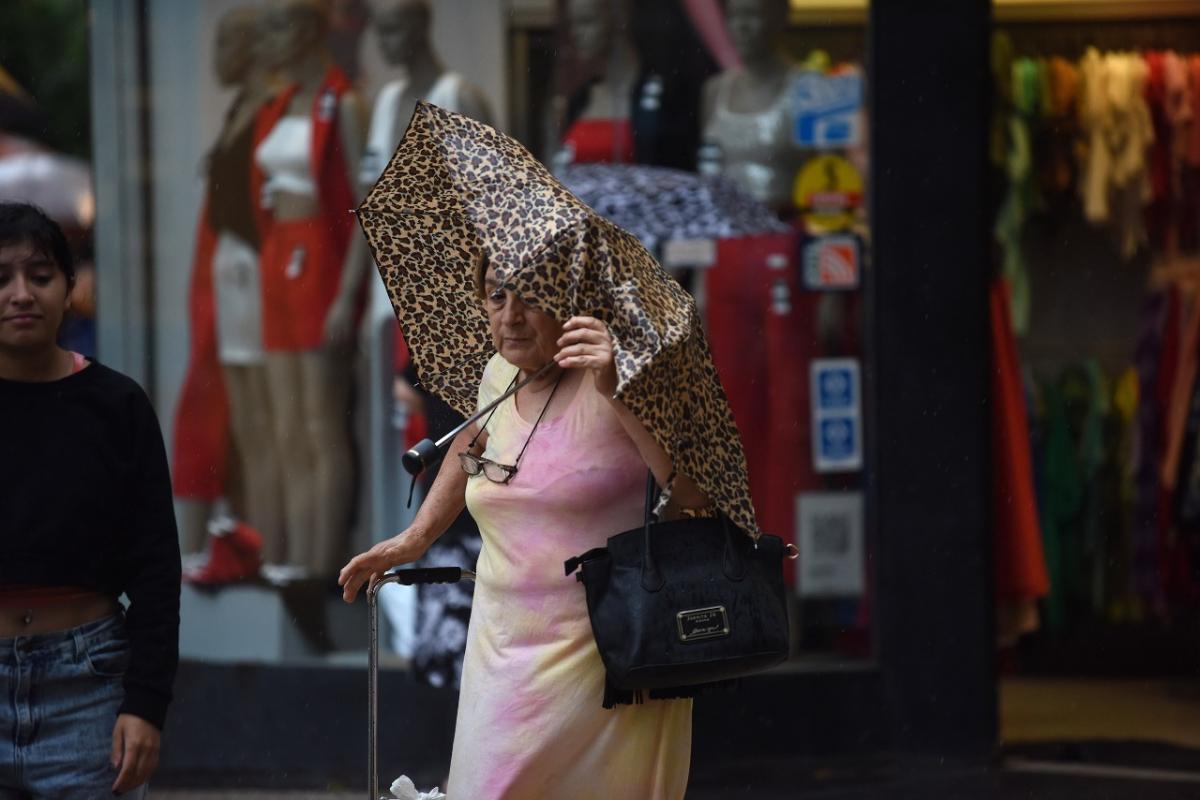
{"x":530,"y":721}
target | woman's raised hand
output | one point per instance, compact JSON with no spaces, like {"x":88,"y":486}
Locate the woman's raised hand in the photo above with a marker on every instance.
{"x":586,"y":343}
{"x":404,"y":548}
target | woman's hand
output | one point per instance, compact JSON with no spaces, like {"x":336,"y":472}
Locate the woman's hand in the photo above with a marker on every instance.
{"x":135,"y":745}
{"x":586,"y":343}
{"x":404,"y":548}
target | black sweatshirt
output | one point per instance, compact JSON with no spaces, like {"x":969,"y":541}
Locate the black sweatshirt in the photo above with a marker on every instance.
{"x":85,"y":500}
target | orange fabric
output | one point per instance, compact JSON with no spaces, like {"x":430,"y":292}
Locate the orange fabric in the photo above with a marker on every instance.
{"x":1181,"y":398}
{"x":335,"y":224}
{"x":201,"y":438}
{"x":300,"y":278}
{"x":597,"y":140}
{"x":1017,"y":539}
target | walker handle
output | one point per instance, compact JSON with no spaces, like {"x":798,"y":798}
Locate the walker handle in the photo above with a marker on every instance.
{"x":408,"y":577}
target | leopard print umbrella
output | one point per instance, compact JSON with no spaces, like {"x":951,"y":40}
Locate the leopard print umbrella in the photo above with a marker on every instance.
{"x":457,"y":188}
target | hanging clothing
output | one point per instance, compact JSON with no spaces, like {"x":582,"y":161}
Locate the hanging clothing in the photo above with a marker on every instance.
{"x":530,"y":722}
{"x":1115,"y":183}
{"x":1018,"y":202}
{"x":748,"y":329}
{"x":1019,"y":559}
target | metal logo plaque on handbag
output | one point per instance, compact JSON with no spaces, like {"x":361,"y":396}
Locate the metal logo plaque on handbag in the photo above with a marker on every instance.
{"x":677,"y":607}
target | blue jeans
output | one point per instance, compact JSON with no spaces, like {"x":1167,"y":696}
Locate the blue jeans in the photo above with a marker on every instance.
{"x":59,"y":695}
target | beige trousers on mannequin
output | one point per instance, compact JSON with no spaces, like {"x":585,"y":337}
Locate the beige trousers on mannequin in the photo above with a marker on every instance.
{"x":309,"y":399}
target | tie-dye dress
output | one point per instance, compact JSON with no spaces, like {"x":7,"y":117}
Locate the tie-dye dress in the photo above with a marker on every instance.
{"x":530,"y":721}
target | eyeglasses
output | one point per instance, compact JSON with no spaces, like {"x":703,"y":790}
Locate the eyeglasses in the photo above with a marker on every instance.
{"x":492,"y":470}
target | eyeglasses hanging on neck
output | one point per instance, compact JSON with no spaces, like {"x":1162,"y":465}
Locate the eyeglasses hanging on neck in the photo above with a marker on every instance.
{"x":494,"y":471}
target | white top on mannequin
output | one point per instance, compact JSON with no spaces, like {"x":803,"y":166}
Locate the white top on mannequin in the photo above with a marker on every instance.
{"x":756,"y":147}
{"x":285,"y":156}
{"x":384,"y":134}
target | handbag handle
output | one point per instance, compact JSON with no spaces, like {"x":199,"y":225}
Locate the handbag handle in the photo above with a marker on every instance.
{"x":732,"y":563}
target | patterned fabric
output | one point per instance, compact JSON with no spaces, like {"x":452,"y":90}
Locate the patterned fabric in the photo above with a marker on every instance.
{"x":444,"y":609}
{"x":657,"y":205}
{"x":457,"y":189}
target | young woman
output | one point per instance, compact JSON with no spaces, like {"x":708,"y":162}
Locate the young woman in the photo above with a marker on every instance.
{"x":85,"y":517}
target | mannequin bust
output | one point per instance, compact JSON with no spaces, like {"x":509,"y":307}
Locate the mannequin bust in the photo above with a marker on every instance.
{"x":744,"y":110}
{"x":596,"y":122}
{"x":232,"y":276}
{"x":309,"y":146}
{"x":403,"y":27}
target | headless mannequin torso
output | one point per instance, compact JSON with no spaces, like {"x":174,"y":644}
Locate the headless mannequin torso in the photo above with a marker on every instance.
{"x":602,"y":130}
{"x":744,"y":109}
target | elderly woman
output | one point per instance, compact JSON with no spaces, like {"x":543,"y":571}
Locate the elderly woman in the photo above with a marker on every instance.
{"x":85,"y":517}
{"x":552,"y":472}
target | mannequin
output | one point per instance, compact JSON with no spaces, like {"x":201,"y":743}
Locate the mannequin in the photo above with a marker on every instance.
{"x":419,"y":615}
{"x":745,"y":109}
{"x":598,"y":121}
{"x":308,"y":148}
{"x":226,"y":319}
{"x":403,"y":27}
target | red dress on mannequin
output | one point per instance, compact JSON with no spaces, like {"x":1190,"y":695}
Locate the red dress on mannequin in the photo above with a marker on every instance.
{"x":201,"y":437}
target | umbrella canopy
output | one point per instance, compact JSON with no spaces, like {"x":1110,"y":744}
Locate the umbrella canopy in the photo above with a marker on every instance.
{"x":457,"y":189}
{"x":658,"y":205}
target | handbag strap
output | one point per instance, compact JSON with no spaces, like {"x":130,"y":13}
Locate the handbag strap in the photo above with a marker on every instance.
{"x":732,"y":563}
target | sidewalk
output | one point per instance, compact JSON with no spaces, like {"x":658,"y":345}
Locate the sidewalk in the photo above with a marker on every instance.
{"x":1023,"y":779}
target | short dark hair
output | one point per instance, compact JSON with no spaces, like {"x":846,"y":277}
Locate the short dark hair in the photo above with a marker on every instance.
{"x":25,"y":222}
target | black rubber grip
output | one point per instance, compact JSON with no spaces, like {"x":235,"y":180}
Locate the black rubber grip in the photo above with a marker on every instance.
{"x":412,"y":577}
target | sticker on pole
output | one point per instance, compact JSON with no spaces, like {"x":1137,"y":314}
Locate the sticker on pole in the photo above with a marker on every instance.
{"x":836,"y":414}
{"x":831,"y":262}
{"x":827,"y":110}
{"x":828,"y":191}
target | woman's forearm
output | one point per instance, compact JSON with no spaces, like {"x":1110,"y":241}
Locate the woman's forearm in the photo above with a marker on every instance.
{"x":447,"y":495}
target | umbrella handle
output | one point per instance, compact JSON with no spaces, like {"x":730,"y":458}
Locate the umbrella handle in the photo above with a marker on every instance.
{"x":427,"y":453}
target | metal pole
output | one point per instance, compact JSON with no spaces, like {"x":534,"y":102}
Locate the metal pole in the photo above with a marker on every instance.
{"x":373,"y":685}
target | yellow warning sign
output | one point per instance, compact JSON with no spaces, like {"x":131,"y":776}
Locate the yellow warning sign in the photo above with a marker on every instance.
{"x":828,"y":192}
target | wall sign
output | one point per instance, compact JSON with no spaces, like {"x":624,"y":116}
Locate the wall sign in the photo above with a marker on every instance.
{"x":831,"y":262}
{"x":828,"y":191}
{"x":836,"y":414}
{"x":827,"y":110}
{"x":830,"y":543}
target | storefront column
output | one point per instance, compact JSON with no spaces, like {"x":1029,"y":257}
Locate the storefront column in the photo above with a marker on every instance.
{"x":118,"y":144}
{"x":927,"y":384}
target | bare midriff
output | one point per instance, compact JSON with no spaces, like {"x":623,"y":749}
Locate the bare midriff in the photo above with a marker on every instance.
{"x":289,"y":207}
{"x":32,"y":610}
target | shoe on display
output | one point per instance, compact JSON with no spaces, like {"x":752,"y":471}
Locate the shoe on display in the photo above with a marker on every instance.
{"x":234,"y":554}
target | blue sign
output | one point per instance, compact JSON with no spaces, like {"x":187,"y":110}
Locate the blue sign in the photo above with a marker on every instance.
{"x":834,"y":384}
{"x":837,"y":389}
{"x":826,"y":110}
{"x":839,"y":439}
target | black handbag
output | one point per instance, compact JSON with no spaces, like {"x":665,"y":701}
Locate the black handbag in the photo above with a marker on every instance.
{"x":678,"y":607}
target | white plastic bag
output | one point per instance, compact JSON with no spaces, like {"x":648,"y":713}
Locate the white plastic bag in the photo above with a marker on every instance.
{"x":403,"y":789}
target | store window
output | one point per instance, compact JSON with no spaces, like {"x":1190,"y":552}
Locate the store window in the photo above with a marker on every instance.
{"x":232,"y":138}
{"x":729,"y":138}
{"x":1095,"y":156}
